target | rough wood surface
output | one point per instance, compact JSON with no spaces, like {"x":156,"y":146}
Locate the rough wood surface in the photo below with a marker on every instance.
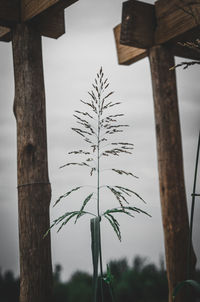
{"x":170,"y":166}
{"x":32,"y":8}
{"x":126,"y":54}
{"x":34,"y":190}
{"x":138,"y":24}
{"x":164,"y":7}
{"x":177,"y":23}
{"x":9,"y":12}
{"x":50,"y":25}
{"x":5,"y":35}
{"x":185,"y":52}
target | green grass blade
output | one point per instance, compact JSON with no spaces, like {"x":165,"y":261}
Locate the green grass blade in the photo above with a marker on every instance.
{"x":130,"y":191}
{"x":65,"y":195}
{"x":114,"y":223}
{"x":87,"y":199}
{"x":95,"y":247}
{"x":192,"y":283}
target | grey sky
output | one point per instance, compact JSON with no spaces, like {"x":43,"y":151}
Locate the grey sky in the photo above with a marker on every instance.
{"x":70,"y":64}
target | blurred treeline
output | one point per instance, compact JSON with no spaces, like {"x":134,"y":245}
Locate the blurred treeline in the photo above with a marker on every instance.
{"x":140,"y":282}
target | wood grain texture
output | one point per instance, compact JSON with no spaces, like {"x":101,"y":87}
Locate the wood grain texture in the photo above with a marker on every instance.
{"x":50,"y":25}
{"x":185,"y":52}
{"x":126,"y":54}
{"x":32,"y":8}
{"x":9,"y":12}
{"x":176,"y":23}
{"x":170,"y":166}
{"x":138,"y":24}
{"x":166,"y":7}
{"x":5,"y":35}
{"x":34,"y":190}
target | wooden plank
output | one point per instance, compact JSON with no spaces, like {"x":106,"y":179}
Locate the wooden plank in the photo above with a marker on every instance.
{"x":175,"y":23}
{"x":138,"y":24}
{"x":185,"y":52}
{"x":32,"y":8}
{"x":127,"y":54}
{"x":170,"y":166}
{"x":164,"y":7}
{"x":9,"y":12}
{"x":5,"y":35}
{"x":51,"y":26}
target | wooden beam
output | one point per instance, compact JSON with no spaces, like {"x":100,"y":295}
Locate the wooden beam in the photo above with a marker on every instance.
{"x":9,"y":12}
{"x":170,"y":166}
{"x":127,"y":54}
{"x":166,"y":7}
{"x":50,"y":25}
{"x":175,"y":20}
{"x":34,"y":189}
{"x":5,"y":35}
{"x":185,"y":52}
{"x":138,"y":24}
{"x":32,"y":8}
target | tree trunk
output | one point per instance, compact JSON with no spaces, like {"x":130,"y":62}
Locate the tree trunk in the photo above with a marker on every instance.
{"x":170,"y":166}
{"x":34,"y":190}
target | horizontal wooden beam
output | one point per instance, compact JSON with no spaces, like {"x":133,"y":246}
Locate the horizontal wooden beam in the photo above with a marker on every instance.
{"x":9,"y":12}
{"x":32,"y":8}
{"x":5,"y":34}
{"x":185,"y":52}
{"x":126,"y":54}
{"x":138,"y":24}
{"x":176,"y":21}
{"x":51,"y":26}
{"x":164,"y":7}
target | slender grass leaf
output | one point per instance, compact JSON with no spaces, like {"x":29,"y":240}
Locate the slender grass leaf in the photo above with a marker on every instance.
{"x":109,"y":281}
{"x":109,"y":277}
{"x":115,"y":225}
{"x":119,"y":210}
{"x":118,"y":195}
{"x":58,"y":220}
{"x":67,"y":220}
{"x":121,"y":172}
{"x":130,"y":191}
{"x":84,"y":113}
{"x":95,"y":247}
{"x":109,"y":94}
{"x":75,"y":164}
{"x":125,"y":144}
{"x":192,"y":283}
{"x":134,"y":209}
{"x":79,"y":152}
{"x":87,"y":199}
{"x":66,"y":194}
{"x":69,"y":216}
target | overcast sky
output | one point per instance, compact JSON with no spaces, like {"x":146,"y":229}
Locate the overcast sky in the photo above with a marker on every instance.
{"x":70,"y":64}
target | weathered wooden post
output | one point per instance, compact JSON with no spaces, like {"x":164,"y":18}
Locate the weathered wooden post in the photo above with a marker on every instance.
{"x":26,"y":21}
{"x":153,"y":31}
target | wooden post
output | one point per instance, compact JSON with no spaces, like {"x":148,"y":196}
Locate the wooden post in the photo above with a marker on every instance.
{"x":170,"y":166}
{"x":34,"y":190}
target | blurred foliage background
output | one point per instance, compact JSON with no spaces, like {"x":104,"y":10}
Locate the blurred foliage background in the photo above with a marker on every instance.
{"x":140,"y":282}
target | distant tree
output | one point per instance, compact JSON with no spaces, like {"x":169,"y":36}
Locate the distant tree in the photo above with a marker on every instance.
{"x":80,"y":287}
{"x":141,"y":282}
{"x":9,"y":287}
